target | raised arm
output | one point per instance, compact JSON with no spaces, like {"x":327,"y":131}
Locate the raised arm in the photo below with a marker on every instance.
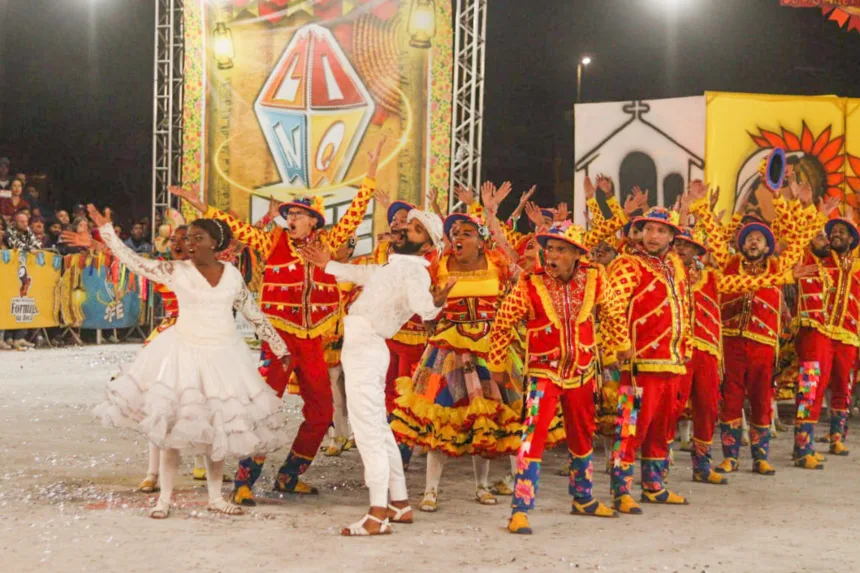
{"x":622,"y":278}
{"x":245,"y":304}
{"x":515,"y":308}
{"x":154,"y":270}
{"x":350,"y":273}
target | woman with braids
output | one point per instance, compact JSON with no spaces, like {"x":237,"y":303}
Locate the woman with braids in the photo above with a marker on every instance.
{"x":451,"y":405}
{"x":195,"y":388}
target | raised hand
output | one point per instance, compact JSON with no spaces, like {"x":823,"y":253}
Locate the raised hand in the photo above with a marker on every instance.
{"x":96,"y":217}
{"x":527,"y":195}
{"x":75,"y":239}
{"x":828,"y":205}
{"x":488,"y":197}
{"x":273,"y":207}
{"x":641,"y":197}
{"x":464,"y":195}
{"x":697,"y":190}
{"x":502,"y":192}
{"x":440,"y":294}
{"x":316,"y":254}
{"x":534,"y":214}
{"x":373,"y":157}
{"x":803,"y":192}
{"x":714,"y":198}
{"x":588,"y":187}
{"x":605,"y":184}
{"x":382,"y":199}
{"x":433,"y":195}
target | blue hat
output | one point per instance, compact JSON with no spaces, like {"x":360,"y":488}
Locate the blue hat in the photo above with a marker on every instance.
{"x":761,"y":227}
{"x":686,"y":234}
{"x":855,"y":235}
{"x":458,"y":217}
{"x":397,"y":206}
{"x":659,"y":215}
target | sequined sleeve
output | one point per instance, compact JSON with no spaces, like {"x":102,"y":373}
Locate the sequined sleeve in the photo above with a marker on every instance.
{"x":622,"y":279}
{"x":246,"y":304}
{"x":515,"y":308}
{"x":603,"y":229}
{"x":153,"y":269}
{"x":348,"y":224}
{"x":611,"y":312}
{"x":258,"y":239}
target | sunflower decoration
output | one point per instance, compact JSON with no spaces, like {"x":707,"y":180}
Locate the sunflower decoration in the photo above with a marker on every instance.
{"x":847,"y":17}
{"x":817,"y":159}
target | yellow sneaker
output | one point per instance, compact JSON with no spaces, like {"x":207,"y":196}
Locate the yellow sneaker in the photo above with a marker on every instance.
{"x":243,"y":496}
{"x":625,"y":504}
{"x":198,"y":474}
{"x":593,"y":508}
{"x":712,"y":477}
{"x":763,"y":467}
{"x":301,"y":488}
{"x":839,"y":449}
{"x":519,"y":524}
{"x":727,"y":466}
{"x":664,"y":496}
{"x":503,"y":486}
{"x":808,"y":463}
{"x":335,"y":448}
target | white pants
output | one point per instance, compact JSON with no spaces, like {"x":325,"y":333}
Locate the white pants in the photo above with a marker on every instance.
{"x":365,"y":362}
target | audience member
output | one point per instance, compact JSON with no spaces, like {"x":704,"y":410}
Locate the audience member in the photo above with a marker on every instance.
{"x":19,"y":235}
{"x":11,"y":205}
{"x":37,"y":225}
{"x":54,"y":231}
{"x":5,"y":182}
{"x":137,"y":241}
{"x":63,"y":217}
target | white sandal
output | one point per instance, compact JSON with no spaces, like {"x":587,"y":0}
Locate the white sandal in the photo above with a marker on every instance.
{"x":484,"y":497}
{"x":225,"y":508}
{"x":399,"y":512}
{"x":160,"y":511}
{"x":357,"y":529}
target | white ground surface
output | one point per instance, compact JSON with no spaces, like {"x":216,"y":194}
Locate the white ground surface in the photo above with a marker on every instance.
{"x":66,"y":504}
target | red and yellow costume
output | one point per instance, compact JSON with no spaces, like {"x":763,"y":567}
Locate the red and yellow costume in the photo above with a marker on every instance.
{"x":302,"y":302}
{"x":751,"y":327}
{"x":829,"y":318}
{"x":171,"y":311}
{"x":654,"y":293}
{"x":560,"y":367}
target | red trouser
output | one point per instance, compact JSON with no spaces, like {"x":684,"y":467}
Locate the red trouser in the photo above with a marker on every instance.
{"x":577,"y":406}
{"x":835,"y":361}
{"x":749,"y":372}
{"x":308,"y":363}
{"x":404,"y":359}
{"x":702,"y":384}
{"x":656,"y":415}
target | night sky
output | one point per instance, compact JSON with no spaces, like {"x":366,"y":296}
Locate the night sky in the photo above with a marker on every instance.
{"x":76,"y":78}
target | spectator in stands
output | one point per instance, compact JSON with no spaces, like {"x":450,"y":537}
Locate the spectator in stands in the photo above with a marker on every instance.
{"x":137,"y":241}
{"x":63,"y":217}
{"x":32,"y":196}
{"x":37,"y":225}
{"x":22,"y":177}
{"x":5,"y":182}
{"x":54,"y":231}
{"x":79,"y":211}
{"x":117,"y":228}
{"x":11,"y":205}
{"x":19,"y":235}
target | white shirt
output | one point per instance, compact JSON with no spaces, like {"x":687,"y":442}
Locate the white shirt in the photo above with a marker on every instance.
{"x":392,"y":292}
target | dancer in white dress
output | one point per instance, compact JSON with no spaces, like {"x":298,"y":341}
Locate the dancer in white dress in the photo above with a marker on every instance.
{"x":196,"y":388}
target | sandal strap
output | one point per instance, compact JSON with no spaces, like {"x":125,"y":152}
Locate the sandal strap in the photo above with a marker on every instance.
{"x":357,"y":528}
{"x":398,"y":511}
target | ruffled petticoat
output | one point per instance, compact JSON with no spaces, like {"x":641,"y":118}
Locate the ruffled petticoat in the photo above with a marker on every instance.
{"x":199,"y":399}
{"x":452,"y":405}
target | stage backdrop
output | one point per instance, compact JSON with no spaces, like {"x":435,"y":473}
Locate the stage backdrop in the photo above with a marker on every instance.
{"x":308,"y":89}
{"x":742,"y":129}
{"x":658,"y":145}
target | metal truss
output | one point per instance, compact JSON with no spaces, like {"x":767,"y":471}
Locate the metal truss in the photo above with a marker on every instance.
{"x":169,"y":81}
{"x":468,"y":105}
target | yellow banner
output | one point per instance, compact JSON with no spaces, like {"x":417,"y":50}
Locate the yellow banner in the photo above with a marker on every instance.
{"x":742,"y":129}
{"x":28,"y":282}
{"x":852,"y":153}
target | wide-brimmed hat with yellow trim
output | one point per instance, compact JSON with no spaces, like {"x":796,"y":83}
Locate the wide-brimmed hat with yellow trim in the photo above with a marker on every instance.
{"x":314,"y":205}
{"x":565,"y":231}
{"x":659,"y":215}
{"x":694,"y":238}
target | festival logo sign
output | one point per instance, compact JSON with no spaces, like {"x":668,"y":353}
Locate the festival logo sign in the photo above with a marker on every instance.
{"x":23,"y":307}
{"x":28,"y":281}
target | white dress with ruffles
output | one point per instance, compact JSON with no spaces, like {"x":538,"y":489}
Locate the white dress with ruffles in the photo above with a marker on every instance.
{"x":196,"y":387}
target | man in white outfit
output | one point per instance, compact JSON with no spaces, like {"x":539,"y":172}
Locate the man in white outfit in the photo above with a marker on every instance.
{"x":391,"y":294}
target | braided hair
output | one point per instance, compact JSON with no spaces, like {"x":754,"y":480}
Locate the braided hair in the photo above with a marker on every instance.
{"x":218,"y":230}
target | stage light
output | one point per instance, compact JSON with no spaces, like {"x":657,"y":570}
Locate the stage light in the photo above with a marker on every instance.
{"x":223,"y":46}
{"x":422,"y":23}
{"x":585,"y":60}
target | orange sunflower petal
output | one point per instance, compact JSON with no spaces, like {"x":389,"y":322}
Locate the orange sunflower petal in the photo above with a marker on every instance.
{"x":835,"y":164}
{"x":835,"y":178}
{"x":759,"y":141}
{"x":834,"y":192}
{"x":806,"y":139}
{"x":792,"y":142}
{"x":831,"y":150}
{"x":821,"y":141}
{"x":773,"y":139}
{"x":854,"y":183}
{"x":854,"y":161}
